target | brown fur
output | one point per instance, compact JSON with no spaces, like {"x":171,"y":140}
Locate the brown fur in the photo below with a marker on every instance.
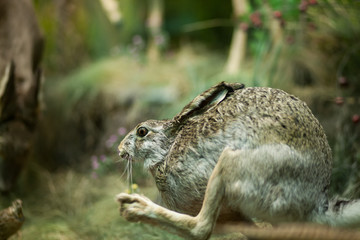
{"x":234,"y":151}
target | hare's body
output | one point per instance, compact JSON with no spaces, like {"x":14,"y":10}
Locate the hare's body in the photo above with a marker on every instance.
{"x":254,"y":117}
{"x":276,"y":165}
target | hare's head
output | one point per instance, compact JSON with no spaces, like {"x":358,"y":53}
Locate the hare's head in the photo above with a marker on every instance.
{"x":149,"y":141}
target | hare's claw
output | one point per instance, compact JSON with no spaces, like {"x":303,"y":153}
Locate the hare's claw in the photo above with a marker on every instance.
{"x":134,"y":207}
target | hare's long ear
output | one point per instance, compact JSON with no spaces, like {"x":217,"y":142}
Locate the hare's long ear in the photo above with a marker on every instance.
{"x":207,"y":100}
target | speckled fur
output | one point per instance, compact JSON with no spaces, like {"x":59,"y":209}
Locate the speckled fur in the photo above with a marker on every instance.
{"x":277,"y":164}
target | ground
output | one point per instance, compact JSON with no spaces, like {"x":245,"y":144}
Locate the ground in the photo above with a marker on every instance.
{"x":71,"y":205}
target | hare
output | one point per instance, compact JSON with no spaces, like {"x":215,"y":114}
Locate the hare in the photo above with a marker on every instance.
{"x":235,"y":154}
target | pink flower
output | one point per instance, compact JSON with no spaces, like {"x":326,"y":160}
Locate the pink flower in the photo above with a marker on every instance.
{"x":356,"y":118}
{"x":256,"y":19}
{"x":103,"y":158}
{"x":122,"y":131}
{"x":303,"y":6}
{"x":277,"y":14}
{"x":343,"y":82}
{"x":339,"y":101}
{"x":112,"y":139}
{"x":94,"y":162}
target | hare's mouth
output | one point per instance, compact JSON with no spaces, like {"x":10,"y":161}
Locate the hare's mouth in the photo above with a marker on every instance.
{"x":125,"y":156}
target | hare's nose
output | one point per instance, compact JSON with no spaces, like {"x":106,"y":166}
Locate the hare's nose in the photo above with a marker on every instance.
{"x":123,"y":154}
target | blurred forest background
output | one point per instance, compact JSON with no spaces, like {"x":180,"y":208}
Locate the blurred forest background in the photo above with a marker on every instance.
{"x":109,"y":64}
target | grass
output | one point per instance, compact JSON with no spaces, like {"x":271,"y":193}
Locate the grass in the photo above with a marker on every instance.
{"x":68,"y":205}
{"x":71,"y":205}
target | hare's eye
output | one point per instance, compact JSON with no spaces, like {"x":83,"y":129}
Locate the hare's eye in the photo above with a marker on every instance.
{"x":142,"y":131}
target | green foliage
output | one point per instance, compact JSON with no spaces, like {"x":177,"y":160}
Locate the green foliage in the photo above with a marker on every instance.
{"x":346,"y":150}
{"x":178,"y":14}
{"x":75,"y":32}
{"x":134,"y":14}
{"x":317,"y":60}
{"x":289,"y":8}
{"x":75,"y":206}
{"x":100,"y":36}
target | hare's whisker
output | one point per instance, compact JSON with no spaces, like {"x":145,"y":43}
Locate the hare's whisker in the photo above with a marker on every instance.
{"x":128,"y":171}
{"x":129,"y":175}
{"x":125,"y":170}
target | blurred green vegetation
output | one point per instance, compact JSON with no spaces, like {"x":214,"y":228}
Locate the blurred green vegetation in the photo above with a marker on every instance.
{"x":99,"y":79}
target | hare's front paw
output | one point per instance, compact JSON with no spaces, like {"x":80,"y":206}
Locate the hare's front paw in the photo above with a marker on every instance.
{"x":134,"y":207}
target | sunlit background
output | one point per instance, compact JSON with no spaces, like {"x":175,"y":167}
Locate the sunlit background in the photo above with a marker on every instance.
{"x":109,"y":64}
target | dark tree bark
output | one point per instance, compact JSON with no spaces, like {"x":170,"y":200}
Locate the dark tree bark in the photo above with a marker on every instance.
{"x":21,"y":47}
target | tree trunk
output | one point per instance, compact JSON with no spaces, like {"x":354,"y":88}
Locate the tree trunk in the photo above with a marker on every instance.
{"x":21,"y":48}
{"x":154,"y":24}
{"x":111,"y":8}
{"x":239,"y":39}
{"x":276,"y":25}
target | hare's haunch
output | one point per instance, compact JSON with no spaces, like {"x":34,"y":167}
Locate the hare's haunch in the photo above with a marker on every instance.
{"x":235,"y":153}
